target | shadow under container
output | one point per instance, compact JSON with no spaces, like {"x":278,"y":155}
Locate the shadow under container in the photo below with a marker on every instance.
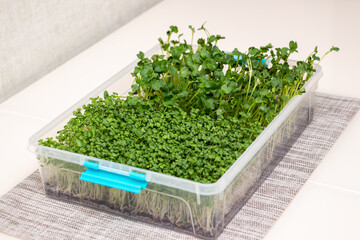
{"x":198,"y":209}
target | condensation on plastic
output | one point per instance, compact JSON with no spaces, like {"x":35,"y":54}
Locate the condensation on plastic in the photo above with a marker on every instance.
{"x":176,"y":203}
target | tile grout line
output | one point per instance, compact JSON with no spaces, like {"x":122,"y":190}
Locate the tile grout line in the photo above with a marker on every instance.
{"x":334,"y":187}
{"x":22,"y":115}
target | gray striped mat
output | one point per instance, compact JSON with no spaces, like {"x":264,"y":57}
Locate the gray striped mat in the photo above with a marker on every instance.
{"x":26,"y":213}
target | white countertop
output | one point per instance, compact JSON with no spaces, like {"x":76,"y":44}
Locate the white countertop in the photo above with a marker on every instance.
{"x":328,"y":205}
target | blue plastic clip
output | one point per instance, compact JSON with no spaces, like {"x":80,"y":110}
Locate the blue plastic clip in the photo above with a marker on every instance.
{"x":263,"y":61}
{"x":134,"y":182}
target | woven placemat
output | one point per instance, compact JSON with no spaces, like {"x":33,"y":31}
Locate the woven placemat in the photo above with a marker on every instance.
{"x":26,"y":213}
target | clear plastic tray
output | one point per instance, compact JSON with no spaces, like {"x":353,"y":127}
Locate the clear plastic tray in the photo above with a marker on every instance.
{"x":183,"y":205}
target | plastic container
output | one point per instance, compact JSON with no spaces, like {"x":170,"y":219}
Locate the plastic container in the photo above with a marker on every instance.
{"x":195,"y":208}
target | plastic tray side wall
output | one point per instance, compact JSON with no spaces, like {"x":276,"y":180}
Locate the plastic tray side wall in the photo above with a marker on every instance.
{"x":157,"y":204}
{"x":266,"y":159}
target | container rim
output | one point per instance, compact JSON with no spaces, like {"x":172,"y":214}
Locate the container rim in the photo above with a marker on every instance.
{"x":155,"y":177}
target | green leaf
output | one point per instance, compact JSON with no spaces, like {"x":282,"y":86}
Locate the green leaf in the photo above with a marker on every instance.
{"x":316,"y":57}
{"x":264,"y":92}
{"x":184,"y":72}
{"x":235,"y":52}
{"x":219,"y":74}
{"x":212,"y":38}
{"x":195,"y":73}
{"x":293,"y":46}
{"x":146,"y":72}
{"x":188,"y":60}
{"x":79,"y":143}
{"x":169,"y":100}
{"x":290,"y":78}
{"x":205,"y":54}
{"x":336,"y":49}
{"x":176,"y":54}
{"x":253,"y":51}
{"x":106,"y":94}
{"x":220,"y":112}
{"x":232,"y":85}
{"x":135,"y":88}
{"x":161,"y":41}
{"x":205,"y":82}
{"x":229,"y":58}
{"x":209,"y":64}
{"x":226,"y":89}
{"x":174,"y":29}
{"x":275,"y":82}
{"x":284,"y":51}
{"x":263,"y":108}
{"x":285,"y":98}
{"x":132,"y":100}
{"x":196,"y":57}
{"x":224,"y":103}
{"x":266,"y":48}
{"x":301,"y":91}
{"x":201,"y":41}
{"x":173,"y":71}
{"x":160,"y":66}
{"x":157,"y":84}
{"x":258,"y":100}
{"x":209,"y":103}
{"x":140,"y":55}
{"x":183,"y":94}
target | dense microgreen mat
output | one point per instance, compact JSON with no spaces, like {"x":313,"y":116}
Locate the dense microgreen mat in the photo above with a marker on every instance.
{"x":192,"y":110}
{"x":169,"y":141}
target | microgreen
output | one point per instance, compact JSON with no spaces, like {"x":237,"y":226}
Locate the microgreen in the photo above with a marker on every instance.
{"x":165,"y":140}
{"x":222,"y":83}
{"x":192,"y":110}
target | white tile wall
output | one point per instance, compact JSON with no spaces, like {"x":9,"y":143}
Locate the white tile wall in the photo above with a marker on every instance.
{"x":37,"y":36}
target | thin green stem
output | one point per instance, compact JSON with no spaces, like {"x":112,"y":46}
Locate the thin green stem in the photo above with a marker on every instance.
{"x":193,"y":97}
